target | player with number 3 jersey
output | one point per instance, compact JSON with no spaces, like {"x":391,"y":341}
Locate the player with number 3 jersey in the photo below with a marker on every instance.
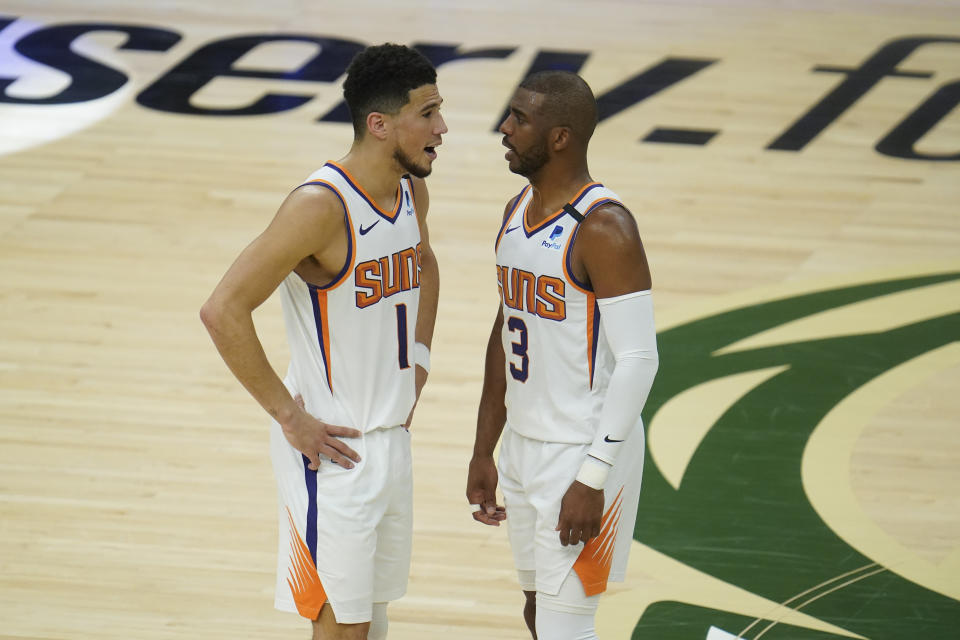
{"x":569,"y":364}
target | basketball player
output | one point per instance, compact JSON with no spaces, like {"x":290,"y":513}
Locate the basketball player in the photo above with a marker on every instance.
{"x":358,"y":284}
{"x":569,"y":364}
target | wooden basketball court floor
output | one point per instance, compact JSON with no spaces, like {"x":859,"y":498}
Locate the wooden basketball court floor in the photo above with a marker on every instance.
{"x":794,"y":168}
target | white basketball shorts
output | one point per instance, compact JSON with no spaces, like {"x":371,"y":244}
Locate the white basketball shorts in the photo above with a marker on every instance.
{"x":534,"y":476}
{"x":345,"y":534}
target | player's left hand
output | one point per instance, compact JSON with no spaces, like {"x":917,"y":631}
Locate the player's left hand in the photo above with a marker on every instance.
{"x":581,"y":512}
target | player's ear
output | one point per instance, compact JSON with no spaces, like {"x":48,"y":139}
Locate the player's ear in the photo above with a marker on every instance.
{"x":377,"y":125}
{"x":560,"y":138}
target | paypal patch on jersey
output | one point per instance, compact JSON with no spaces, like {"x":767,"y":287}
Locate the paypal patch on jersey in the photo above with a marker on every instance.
{"x":552,"y":243}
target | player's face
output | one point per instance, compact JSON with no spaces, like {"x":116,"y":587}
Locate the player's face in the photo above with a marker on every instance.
{"x":419,"y":127}
{"x":524,"y":138}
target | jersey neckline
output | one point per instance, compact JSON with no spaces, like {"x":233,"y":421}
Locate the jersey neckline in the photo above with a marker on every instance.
{"x":530,"y":231}
{"x":391,"y":216}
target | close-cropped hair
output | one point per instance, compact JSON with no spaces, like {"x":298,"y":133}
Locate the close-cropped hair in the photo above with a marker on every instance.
{"x":380,"y":78}
{"x":568,"y":101}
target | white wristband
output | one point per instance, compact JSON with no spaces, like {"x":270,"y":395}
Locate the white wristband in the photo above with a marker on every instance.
{"x":421,"y":356}
{"x":593,"y":473}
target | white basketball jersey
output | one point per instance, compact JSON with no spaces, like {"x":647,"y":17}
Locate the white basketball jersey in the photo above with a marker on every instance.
{"x":558,"y":363}
{"x":351,"y":341}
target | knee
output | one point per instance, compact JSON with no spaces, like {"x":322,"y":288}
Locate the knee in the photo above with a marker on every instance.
{"x":351,"y":632}
{"x":343,"y":632}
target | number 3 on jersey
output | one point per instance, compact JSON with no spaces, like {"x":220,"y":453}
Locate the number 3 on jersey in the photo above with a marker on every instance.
{"x":516,"y":325}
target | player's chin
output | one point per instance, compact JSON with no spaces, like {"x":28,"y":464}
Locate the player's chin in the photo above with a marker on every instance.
{"x":420,"y":171}
{"x":425,"y":168}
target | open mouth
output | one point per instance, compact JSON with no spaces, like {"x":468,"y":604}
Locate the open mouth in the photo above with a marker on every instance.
{"x":431,"y":152}
{"x":510,"y":149}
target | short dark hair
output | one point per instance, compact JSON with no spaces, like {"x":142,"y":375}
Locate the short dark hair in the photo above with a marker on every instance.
{"x":568,"y":102}
{"x":380,"y":78}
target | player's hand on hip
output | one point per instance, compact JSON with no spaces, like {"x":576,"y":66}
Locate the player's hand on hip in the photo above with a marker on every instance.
{"x":581,"y":513}
{"x":312,"y":437}
{"x":482,"y":491}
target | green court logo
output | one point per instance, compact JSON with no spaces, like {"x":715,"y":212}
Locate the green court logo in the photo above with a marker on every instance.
{"x":747,"y":485}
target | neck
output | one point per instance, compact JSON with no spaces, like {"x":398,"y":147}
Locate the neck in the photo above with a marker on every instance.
{"x":553,"y":189}
{"x":377,"y":172}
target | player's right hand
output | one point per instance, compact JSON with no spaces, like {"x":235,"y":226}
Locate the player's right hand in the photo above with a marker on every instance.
{"x":482,"y":491}
{"x":311,"y":437}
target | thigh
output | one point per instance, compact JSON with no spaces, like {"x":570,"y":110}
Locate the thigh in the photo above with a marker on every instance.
{"x":395,"y":529}
{"x":556,"y":468}
{"x":521,"y":514}
{"x":605,"y":557}
{"x":328,"y":522}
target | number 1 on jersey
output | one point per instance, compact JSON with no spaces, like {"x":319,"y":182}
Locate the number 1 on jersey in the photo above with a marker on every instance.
{"x":402,"y":336}
{"x":517,"y":325}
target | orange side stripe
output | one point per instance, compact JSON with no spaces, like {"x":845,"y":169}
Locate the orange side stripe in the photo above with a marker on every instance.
{"x":596,"y":559}
{"x":591,"y":302}
{"x":308,"y":593}
{"x":325,"y":333}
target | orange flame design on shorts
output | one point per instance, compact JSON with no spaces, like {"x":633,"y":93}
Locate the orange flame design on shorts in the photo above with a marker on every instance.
{"x":596,"y":558}
{"x":308,"y":593}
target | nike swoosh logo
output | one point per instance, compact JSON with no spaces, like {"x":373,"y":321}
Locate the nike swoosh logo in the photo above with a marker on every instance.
{"x":511,"y":229}
{"x":607,"y":439}
{"x":364,"y":232}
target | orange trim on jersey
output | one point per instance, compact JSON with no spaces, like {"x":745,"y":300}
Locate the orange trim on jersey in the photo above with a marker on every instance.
{"x":373,"y":203}
{"x":308,"y":594}
{"x":325,"y":334}
{"x":352,"y":239}
{"x":552,"y":218}
{"x":596,"y":559}
{"x":506,"y":221}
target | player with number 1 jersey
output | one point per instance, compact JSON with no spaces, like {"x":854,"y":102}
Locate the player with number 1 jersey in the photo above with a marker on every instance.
{"x":349,"y":251}
{"x":356,"y":334}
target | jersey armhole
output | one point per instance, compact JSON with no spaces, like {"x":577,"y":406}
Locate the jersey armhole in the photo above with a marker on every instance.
{"x":338,"y":279}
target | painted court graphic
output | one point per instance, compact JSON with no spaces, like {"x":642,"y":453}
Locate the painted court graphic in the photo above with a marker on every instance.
{"x":752,"y":504}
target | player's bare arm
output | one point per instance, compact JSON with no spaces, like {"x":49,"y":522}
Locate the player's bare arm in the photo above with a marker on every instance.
{"x":608,"y":255}
{"x":491,"y":418}
{"x":307,"y":235}
{"x":429,"y":286}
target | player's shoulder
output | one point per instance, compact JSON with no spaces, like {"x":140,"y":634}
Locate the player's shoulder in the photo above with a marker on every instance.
{"x":612,"y":212}
{"x":317,"y":193}
{"x":609,"y":222}
{"x":313,"y":200}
